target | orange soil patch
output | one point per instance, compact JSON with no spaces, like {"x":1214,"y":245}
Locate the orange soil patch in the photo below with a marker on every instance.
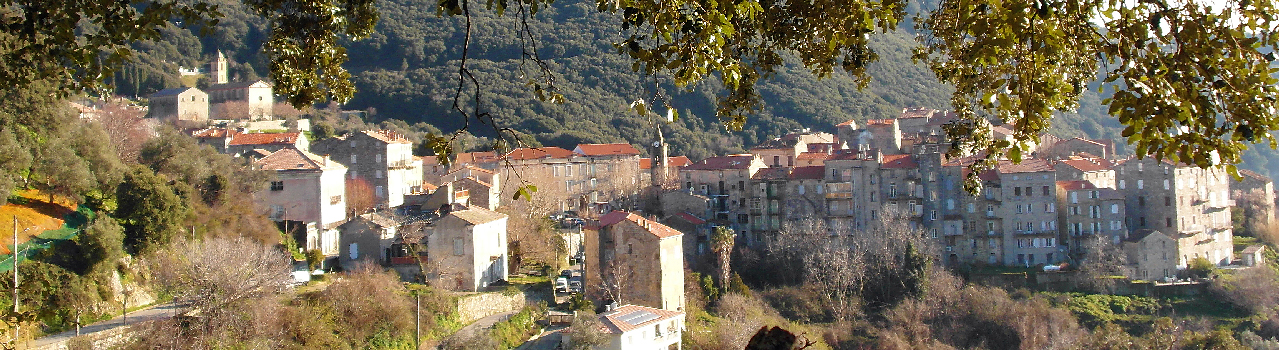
{"x":36,"y":214}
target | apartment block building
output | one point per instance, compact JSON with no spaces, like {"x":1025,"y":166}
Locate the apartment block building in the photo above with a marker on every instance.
{"x":1030,"y":213}
{"x":1189,"y":204}
{"x":726,"y":181}
{"x":1090,"y":214}
{"x":383,"y":158}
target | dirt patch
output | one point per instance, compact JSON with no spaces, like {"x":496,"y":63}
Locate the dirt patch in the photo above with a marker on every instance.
{"x":35,"y":215}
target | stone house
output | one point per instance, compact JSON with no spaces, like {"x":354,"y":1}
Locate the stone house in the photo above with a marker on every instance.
{"x":1105,"y":149}
{"x":1152,"y":255}
{"x":241,"y":144}
{"x":383,"y":158}
{"x":218,"y":138}
{"x":467,"y":249}
{"x":307,"y":189}
{"x":1185,"y":202}
{"x":242,"y":100}
{"x":185,"y":104}
{"x":635,"y":260}
{"x":366,"y":238}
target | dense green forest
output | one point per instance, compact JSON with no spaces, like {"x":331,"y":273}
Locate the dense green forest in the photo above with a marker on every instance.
{"x":408,"y":71}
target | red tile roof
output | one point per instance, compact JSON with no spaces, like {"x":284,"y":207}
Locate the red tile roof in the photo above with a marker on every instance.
{"x":808,"y":173}
{"x":214,"y":133}
{"x":606,"y":149}
{"x":1087,"y":165}
{"x":674,"y":162}
{"x":387,"y":136}
{"x":295,"y":159}
{"x":475,"y":157}
{"x":1026,"y":166}
{"x":881,"y":121}
{"x":771,"y":174}
{"x":1076,"y":185}
{"x":850,"y":122}
{"x":899,"y":161}
{"x":723,"y":163}
{"x":692,"y":219}
{"x":283,"y":138}
{"x":654,"y":227}
{"x":1254,"y":175}
{"x":814,"y":155}
{"x":538,"y":153}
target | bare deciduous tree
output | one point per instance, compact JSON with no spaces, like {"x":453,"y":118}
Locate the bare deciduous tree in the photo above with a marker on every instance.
{"x":126,"y":129}
{"x":359,"y":196}
{"x":1101,"y":260}
{"x":215,"y":274}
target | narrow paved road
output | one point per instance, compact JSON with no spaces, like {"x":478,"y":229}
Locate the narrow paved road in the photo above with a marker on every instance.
{"x":479,"y":325}
{"x":154,"y":313}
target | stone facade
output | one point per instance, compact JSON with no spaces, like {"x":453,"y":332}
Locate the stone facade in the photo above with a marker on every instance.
{"x":1187,"y":203}
{"x":1030,"y":213}
{"x":467,"y":250}
{"x":1089,"y":212}
{"x":242,"y":100}
{"x":186,"y":104}
{"x":636,"y":260}
{"x":725,"y":180}
{"x":383,"y":158}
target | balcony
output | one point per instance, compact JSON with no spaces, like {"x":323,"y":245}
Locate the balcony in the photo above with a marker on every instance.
{"x":400,"y":164}
{"x":992,"y":233}
{"x":838,"y":195}
{"x":990,"y":213}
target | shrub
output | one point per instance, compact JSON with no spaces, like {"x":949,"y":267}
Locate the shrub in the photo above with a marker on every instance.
{"x":1201,"y":268}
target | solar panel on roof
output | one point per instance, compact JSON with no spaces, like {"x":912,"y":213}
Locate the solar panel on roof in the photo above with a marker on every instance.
{"x":636,"y":318}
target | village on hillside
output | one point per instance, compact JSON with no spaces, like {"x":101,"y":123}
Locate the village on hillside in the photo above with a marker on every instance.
{"x":630,"y":225}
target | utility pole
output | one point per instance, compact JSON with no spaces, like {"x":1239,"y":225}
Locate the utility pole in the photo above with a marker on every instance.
{"x":417,"y":320}
{"x":17,"y":326}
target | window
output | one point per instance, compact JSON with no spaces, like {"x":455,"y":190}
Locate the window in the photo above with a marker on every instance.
{"x":932,"y":215}
{"x":1167,"y":201}
{"x":352,"y":156}
{"x":335,"y":199}
{"x":1165,"y":181}
{"x":801,"y":189}
{"x":1016,"y":191}
{"x":377,"y":158}
{"x":630,"y":249}
{"x":1141,"y":184}
{"x":777,"y":160}
{"x":1045,"y":190}
{"x":1114,"y":209}
{"x":277,"y":211}
{"x":277,"y":185}
{"x":1168,"y":222}
{"x":1121,"y":184}
{"x":377,"y":174}
{"x":1074,"y":197}
{"x":568,"y":170}
{"x":354,"y":251}
{"x":378,"y":191}
{"x":1141,"y":201}
{"x":457,"y":246}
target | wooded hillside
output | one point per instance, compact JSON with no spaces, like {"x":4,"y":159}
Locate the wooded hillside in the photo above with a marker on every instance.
{"x":408,"y":71}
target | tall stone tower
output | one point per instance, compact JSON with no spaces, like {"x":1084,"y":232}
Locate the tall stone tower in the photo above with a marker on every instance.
{"x":217,"y":70}
{"x":658,"y":171}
